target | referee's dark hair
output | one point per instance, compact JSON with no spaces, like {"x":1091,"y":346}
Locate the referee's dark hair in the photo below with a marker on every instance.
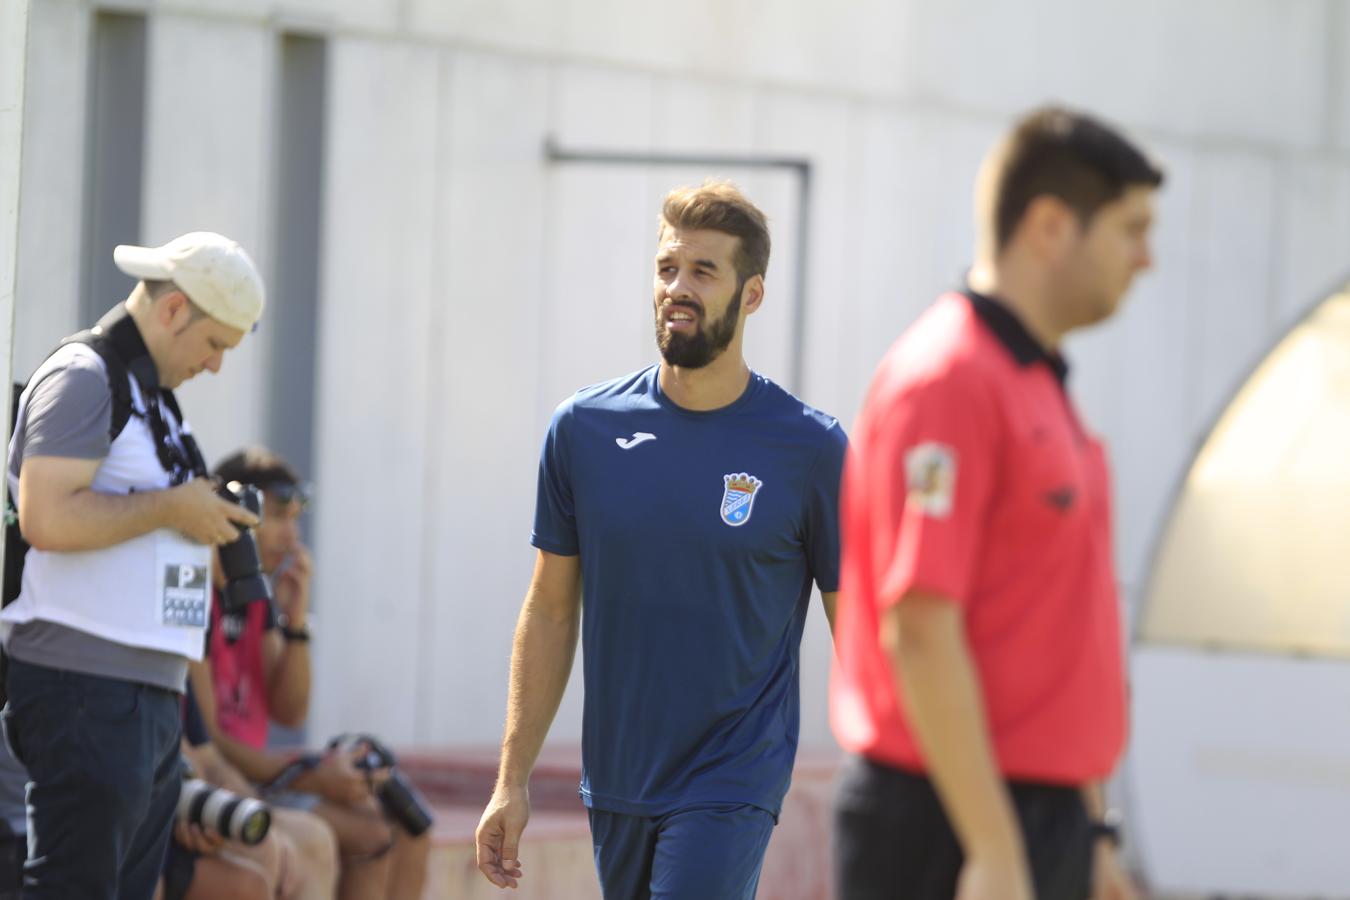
{"x":1068,"y":155}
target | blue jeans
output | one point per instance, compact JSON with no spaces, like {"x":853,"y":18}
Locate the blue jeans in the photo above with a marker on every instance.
{"x":104,"y":776}
{"x":711,"y":851}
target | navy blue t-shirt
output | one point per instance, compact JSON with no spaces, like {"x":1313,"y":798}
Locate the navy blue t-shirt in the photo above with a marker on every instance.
{"x":699,"y":535}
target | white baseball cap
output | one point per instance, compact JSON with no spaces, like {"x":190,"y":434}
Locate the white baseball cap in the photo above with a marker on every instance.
{"x":214,"y":272}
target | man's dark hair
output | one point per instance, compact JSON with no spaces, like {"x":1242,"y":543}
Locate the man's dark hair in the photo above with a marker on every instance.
{"x":257,"y":466}
{"x":1070,"y":156}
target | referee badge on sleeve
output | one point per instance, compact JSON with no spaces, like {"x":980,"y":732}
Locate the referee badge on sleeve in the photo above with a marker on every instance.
{"x":930,"y":475}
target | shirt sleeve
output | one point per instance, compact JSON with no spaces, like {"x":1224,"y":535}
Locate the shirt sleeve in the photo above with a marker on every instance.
{"x":822,"y":510}
{"x":928,"y":473}
{"x":555,"y":522}
{"x":69,"y":413}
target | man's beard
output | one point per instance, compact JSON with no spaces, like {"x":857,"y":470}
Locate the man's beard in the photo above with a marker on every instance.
{"x":694,"y":351}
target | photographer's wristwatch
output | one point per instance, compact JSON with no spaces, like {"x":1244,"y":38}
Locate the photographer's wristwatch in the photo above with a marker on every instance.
{"x":1108,"y":827}
{"x":300,"y":635}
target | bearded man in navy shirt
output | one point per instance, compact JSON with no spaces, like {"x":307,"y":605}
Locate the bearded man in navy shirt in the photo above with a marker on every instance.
{"x":697,"y":502}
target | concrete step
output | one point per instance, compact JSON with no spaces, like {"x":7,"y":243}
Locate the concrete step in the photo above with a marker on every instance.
{"x":556,"y":850}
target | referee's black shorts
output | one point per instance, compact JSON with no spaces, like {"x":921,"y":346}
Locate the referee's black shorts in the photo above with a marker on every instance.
{"x":892,"y":839}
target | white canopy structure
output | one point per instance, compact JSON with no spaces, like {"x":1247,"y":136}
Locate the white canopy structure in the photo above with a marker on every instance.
{"x":1240,"y":766}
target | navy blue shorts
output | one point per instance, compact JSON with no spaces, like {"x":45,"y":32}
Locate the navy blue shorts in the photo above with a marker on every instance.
{"x":712,"y":851}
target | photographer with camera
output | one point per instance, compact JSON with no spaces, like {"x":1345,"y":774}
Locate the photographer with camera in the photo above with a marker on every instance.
{"x":113,"y":603}
{"x":259,"y":672}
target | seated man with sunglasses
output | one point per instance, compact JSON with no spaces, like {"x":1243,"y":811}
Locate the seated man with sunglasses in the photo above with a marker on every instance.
{"x":258,"y":672}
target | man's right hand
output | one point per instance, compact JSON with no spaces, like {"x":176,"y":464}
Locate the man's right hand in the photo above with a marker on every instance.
{"x":983,"y":879}
{"x":498,"y":835}
{"x":199,"y":840}
{"x":336,"y":778}
{"x":200,"y":514}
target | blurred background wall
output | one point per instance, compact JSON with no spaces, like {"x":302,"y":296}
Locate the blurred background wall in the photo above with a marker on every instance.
{"x":438,"y":284}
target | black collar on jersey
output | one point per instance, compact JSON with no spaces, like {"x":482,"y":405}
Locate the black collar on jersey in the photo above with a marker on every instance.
{"x":999,"y":318}
{"x":121,"y":331}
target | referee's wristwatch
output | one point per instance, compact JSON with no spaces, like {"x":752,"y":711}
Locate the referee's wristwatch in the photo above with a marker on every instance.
{"x":1108,"y":827}
{"x":294,"y":635}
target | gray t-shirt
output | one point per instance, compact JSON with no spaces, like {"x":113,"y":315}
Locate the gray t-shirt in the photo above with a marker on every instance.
{"x":68,"y":415}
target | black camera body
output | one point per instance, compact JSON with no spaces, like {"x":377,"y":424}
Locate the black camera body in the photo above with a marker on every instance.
{"x":400,"y":800}
{"x":239,"y":561}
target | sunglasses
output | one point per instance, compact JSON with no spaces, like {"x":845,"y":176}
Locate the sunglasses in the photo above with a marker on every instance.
{"x":286,"y":493}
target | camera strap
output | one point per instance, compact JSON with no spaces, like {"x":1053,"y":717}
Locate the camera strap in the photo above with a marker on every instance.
{"x":118,"y":334}
{"x":293,"y":770}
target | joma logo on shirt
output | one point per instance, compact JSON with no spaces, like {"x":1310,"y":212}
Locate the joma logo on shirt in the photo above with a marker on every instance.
{"x":738,"y":497}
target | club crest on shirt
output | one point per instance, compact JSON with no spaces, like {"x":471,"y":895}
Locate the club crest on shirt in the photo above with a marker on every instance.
{"x":930,"y":474}
{"x":738,"y":497}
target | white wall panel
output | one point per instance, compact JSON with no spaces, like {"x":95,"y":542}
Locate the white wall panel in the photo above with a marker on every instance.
{"x":693,"y":36}
{"x":1151,"y":437}
{"x":507,"y":24}
{"x":14,"y":51}
{"x":847,"y":47}
{"x":595,"y":298}
{"x":1337,"y":124}
{"x":1233,"y":258}
{"x":1314,"y":234}
{"x":819,"y":131}
{"x":484,"y":428}
{"x":51,"y":227}
{"x":911,"y":227}
{"x":1248,"y":69}
{"x":310,"y":15}
{"x":1239,"y":774}
{"x":379,"y":274}
{"x":206,"y":169}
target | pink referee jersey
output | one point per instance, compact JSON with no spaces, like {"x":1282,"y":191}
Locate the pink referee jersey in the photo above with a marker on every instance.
{"x":972,"y":477}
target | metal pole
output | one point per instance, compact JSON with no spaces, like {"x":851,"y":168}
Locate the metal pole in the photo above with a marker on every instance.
{"x":13,"y":60}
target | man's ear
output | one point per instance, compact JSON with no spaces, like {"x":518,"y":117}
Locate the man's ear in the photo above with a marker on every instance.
{"x":171,"y":308}
{"x":1049,"y":226}
{"x":752,"y":293}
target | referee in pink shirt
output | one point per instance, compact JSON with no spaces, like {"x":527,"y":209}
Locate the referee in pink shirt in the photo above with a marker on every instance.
{"x":979,"y":681}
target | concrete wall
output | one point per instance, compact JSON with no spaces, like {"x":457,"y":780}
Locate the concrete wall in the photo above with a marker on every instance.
{"x":467,"y":285}
{"x":13,"y":70}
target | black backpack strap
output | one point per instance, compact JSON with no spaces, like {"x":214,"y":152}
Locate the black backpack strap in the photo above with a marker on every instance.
{"x":117,"y":377}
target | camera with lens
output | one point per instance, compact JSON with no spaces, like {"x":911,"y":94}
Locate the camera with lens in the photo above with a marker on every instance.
{"x":232,"y":815}
{"x":239,"y":562}
{"x":400,"y":800}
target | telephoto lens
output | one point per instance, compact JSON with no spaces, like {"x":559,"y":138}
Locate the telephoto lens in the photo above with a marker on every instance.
{"x":232,"y":816}
{"x":404,"y":805}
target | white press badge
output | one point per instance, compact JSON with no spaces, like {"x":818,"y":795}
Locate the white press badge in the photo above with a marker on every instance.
{"x":183,"y":570}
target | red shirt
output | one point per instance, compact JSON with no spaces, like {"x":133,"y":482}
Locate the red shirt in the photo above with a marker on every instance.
{"x":971,"y":477}
{"x":237,"y":672}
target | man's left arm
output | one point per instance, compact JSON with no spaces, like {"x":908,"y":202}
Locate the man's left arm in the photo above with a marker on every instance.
{"x":822,"y":518}
{"x":286,"y":661}
{"x":1110,"y":881}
